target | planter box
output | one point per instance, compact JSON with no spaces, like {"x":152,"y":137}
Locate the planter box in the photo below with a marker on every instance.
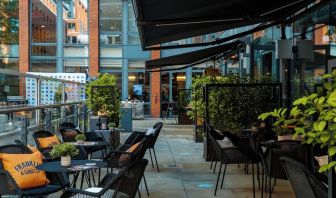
{"x":183,"y":119}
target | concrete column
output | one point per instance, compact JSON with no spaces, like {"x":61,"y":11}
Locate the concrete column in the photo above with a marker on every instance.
{"x":124,"y":79}
{"x":60,"y":37}
{"x":188,"y":78}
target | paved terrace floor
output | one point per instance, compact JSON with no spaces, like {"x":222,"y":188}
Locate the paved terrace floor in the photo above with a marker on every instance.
{"x":185,"y":174}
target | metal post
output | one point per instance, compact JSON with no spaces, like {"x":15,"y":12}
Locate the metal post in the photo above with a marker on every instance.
{"x":84,"y":117}
{"x":24,"y":129}
{"x":38,"y":120}
{"x":252,"y":61}
{"x":125,"y":42}
{"x":60,"y":36}
{"x":188,"y":78}
{"x":76,"y":120}
{"x":48,"y":119}
{"x":63,"y":114}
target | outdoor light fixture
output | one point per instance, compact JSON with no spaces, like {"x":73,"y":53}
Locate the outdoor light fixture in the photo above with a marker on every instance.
{"x":42,"y":26}
{"x":132,"y":78}
{"x":284,"y":47}
{"x":181,"y":78}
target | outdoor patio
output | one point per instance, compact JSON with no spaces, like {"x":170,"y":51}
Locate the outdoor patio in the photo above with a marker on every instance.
{"x":184,"y":173}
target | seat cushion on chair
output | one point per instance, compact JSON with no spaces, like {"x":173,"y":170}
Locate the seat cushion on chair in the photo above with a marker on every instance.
{"x":150,"y":131}
{"x":225,"y":143}
{"x":48,"y":142}
{"x":108,"y":194}
{"x":22,"y":167}
{"x":45,"y":190}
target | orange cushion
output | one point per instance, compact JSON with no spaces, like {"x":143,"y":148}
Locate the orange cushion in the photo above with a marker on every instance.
{"x":35,"y":150}
{"x":134,"y":148}
{"x":48,"y":142}
{"x":22,"y":168}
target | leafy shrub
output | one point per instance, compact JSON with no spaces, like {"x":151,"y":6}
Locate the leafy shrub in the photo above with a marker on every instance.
{"x":64,"y":150}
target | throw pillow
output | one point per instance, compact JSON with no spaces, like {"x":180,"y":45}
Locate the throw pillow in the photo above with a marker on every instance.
{"x":48,"y":142}
{"x":150,"y":131}
{"x":22,"y":167}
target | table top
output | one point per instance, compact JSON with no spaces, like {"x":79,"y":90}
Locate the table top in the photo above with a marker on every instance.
{"x":76,"y":166}
{"x":89,"y":144}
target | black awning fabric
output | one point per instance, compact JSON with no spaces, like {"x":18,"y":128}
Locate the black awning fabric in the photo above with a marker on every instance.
{"x":161,"y":21}
{"x":192,"y":57}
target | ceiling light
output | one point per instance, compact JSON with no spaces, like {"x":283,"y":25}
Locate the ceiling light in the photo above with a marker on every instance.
{"x":42,"y":26}
{"x":181,"y":78}
{"x":131,"y":78}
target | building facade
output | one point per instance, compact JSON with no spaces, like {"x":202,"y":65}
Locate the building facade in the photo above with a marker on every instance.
{"x":101,"y":36}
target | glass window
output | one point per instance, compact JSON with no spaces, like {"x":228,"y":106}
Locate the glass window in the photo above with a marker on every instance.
{"x":138,"y":86}
{"x":110,"y":22}
{"x":43,"y":65}
{"x":133,"y":34}
{"x":43,"y":21}
{"x":9,"y":34}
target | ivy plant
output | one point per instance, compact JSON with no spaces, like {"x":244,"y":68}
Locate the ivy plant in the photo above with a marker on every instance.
{"x":314,"y":118}
{"x":101,"y":100}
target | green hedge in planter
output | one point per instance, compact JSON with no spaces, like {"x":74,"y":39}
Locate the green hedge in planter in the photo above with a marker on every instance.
{"x":103,"y":102}
{"x":231,"y":108}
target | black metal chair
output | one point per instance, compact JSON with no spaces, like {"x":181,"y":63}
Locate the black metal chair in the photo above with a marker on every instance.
{"x":240,"y":153}
{"x":8,"y":185}
{"x":271,"y":160}
{"x":304,"y":183}
{"x":123,"y":185}
{"x":137,"y":136}
{"x":118,"y":159}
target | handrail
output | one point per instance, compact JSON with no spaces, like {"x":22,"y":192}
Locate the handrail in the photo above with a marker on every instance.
{"x":15,"y":73}
{"x":11,"y":110}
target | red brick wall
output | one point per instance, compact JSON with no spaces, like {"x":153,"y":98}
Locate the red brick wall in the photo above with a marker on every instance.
{"x":94,"y":38}
{"x":155,"y":89}
{"x":24,"y":36}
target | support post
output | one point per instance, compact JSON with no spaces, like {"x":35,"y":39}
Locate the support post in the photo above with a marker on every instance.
{"x":24,"y":129}
{"x":76,"y":120}
{"x":48,"y":119}
{"x":60,"y":36}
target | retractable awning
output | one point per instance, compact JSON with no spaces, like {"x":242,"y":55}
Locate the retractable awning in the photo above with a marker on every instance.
{"x":162,"y":21}
{"x":192,"y":58}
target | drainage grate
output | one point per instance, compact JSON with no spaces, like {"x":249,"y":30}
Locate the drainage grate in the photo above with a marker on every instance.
{"x":173,"y":166}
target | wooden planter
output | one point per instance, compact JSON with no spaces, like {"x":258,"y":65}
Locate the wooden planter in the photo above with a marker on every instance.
{"x":183,"y":119}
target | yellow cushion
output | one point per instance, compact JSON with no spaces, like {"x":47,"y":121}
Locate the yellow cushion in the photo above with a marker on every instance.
{"x":22,"y":168}
{"x":35,"y":150}
{"x":48,"y":142}
{"x":134,"y":148}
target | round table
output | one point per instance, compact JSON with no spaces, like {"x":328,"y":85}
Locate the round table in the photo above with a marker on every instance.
{"x":55,"y":166}
{"x":76,"y":167}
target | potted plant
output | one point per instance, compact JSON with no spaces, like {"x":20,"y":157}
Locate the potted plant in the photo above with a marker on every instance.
{"x":283,"y":125}
{"x":314,"y":118}
{"x":104,"y":98}
{"x":64,"y":151}
{"x":80,"y":138}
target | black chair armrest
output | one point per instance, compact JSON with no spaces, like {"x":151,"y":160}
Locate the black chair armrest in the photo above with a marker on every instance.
{"x":73,"y":191}
{"x":8,"y":184}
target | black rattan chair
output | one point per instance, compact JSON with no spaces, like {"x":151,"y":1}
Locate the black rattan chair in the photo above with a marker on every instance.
{"x":124,"y":184}
{"x":304,"y":183}
{"x":8,"y":185}
{"x":271,"y":160}
{"x":240,"y":153}
{"x":137,"y":136}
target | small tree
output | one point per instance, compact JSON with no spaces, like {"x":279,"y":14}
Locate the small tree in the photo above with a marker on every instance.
{"x":103,"y":100}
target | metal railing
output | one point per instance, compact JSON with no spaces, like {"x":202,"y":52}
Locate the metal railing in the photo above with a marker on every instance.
{"x":37,"y":102}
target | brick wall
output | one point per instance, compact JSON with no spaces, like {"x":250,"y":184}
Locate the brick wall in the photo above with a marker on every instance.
{"x":24,"y":36}
{"x":155,"y":89}
{"x":94,"y":38}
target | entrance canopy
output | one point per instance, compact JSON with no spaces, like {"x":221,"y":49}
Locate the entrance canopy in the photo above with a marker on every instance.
{"x":162,"y":21}
{"x":192,"y":58}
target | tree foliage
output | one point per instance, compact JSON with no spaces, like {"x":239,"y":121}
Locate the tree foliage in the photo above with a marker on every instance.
{"x":103,"y":100}
{"x":314,"y":118}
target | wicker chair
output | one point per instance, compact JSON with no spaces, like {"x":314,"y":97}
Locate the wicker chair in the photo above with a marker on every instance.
{"x":271,"y":160}
{"x":240,"y":153}
{"x":118,"y":159}
{"x":137,"y":136}
{"x":304,"y":183}
{"x":8,"y":185}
